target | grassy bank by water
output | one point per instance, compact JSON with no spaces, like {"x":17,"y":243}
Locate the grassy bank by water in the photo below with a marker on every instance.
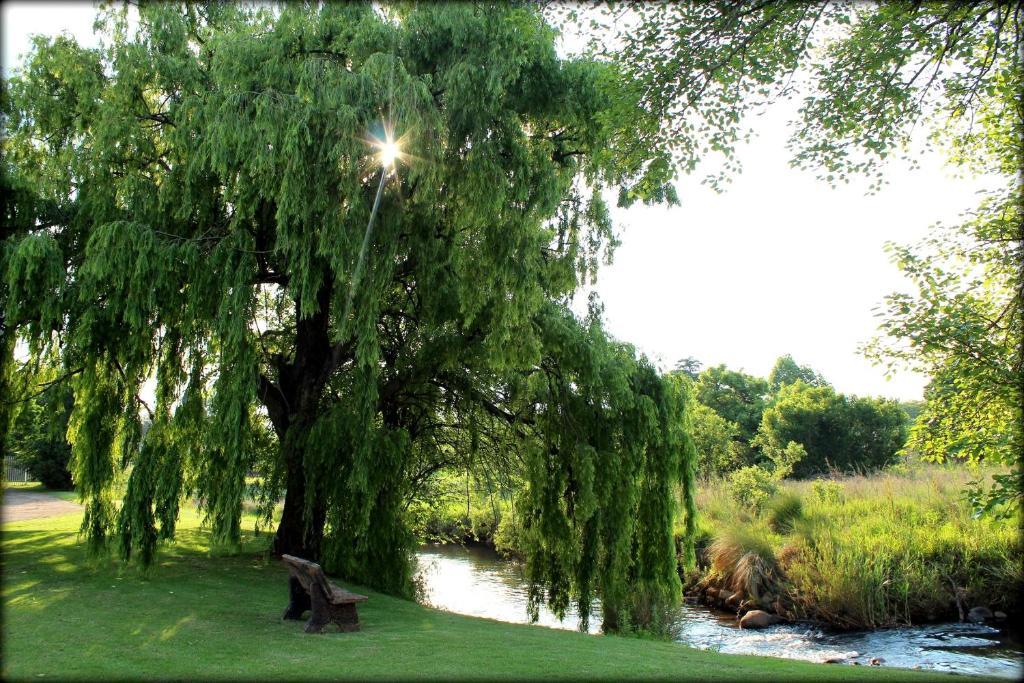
{"x":888,"y":549}
{"x":215,"y":613}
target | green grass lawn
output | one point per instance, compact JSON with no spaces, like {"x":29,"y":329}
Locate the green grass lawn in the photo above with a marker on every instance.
{"x":202,"y":613}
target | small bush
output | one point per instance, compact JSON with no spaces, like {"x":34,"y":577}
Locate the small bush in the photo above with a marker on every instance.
{"x":751,"y":486}
{"x":782,"y":512}
{"x":828,"y":492}
{"x":37,"y":438}
{"x":785,"y":459}
{"x":508,"y":537}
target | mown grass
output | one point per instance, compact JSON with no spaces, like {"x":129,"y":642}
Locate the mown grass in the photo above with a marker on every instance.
{"x":214,"y":613}
{"x":888,"y":549}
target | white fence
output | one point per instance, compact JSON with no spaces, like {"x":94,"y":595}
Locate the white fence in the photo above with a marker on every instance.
{"x":14,"y":473}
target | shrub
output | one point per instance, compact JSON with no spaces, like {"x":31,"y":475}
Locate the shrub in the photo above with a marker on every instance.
{"x":38,"y":440}
{"x":508,"y":536}
{"x":751,"y":486}
{"x":785,"y":459}
{"x":714,"y":438}
{"x":828,"y":492}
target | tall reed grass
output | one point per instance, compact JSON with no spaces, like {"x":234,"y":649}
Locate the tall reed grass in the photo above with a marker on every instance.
{"x":888,"y":549}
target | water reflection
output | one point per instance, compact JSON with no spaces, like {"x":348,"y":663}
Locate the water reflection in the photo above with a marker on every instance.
{"x":476,"y":582}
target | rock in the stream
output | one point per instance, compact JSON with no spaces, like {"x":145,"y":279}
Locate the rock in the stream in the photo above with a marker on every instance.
{"x":999,"y":615}
{"x":834,"y":660}
{"x":877,"y":661}
{"x":979,"y":615}
{"x":734,"y":600}
{"x":758,"y":619}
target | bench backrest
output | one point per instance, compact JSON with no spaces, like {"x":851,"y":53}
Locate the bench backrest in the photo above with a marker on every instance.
{"x":308,"y":573}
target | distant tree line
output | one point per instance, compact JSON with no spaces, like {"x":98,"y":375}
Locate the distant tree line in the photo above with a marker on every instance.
{"x":740,"y":420}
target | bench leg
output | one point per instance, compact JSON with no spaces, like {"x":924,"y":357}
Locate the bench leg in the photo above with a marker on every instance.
{"x":345,"y":616}
{"x":342,"y":616}
{"x":298,"y":600}
{"x":319,"y":614}
{"x":324,"y":613}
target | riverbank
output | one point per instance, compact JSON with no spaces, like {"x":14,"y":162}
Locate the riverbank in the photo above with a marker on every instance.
{"x":895,"y":548}
{"x":890,"y":549}
{"x":204,"y":612}
{"x":476,"y":581}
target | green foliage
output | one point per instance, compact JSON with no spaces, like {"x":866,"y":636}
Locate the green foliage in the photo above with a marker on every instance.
{"x":688,"y":366}
{"x":600,"y":503}
{"x":870,"y":74}
{"x":192,"y":205}
{"x":786,"y":372}
{"x":963,"y":327}
{"x":508,"y":536}
{"x":714,"y":439}
{"x":912,"y":409}
{"x":836,"y":431}
{"x":37,"y":438}
{"x":827,"y":492}
{"x":459,"y":509}
{"x":867,"y":73}
{"x":735,"y":396}
{"x":751,"y":486}
{"x":785,"y":459}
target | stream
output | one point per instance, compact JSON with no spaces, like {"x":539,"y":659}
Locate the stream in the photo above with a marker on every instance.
{"x":477,"y":582}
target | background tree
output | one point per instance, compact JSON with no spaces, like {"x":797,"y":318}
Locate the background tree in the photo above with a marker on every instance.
{"x":688,"y":366}
{"x":734,"y":395}
{"x":196,"y":200}
{"x":786,"y":371}
{"x":912,"y":409}
{"x":37,"y":439}
{"x":837,"y":432}
{"x":715,"y":441}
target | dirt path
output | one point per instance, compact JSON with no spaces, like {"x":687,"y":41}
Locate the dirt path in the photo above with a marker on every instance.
{"x":21,"y":505}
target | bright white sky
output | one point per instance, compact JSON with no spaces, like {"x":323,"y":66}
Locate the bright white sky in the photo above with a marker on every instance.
{"x":778,"y":263}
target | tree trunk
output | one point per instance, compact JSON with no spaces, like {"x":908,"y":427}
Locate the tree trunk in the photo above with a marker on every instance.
{"x":293,"y":407}
{"x":294,"y":536}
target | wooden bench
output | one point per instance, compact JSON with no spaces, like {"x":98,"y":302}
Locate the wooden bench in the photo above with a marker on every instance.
{"x":309,"y":589}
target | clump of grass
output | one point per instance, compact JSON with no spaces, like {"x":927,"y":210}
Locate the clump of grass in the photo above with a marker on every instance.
{"x":783,"y":511}
{"x":744,"y":562}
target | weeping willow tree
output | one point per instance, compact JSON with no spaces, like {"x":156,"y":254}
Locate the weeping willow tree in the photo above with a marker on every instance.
{"x":201,"y":206}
